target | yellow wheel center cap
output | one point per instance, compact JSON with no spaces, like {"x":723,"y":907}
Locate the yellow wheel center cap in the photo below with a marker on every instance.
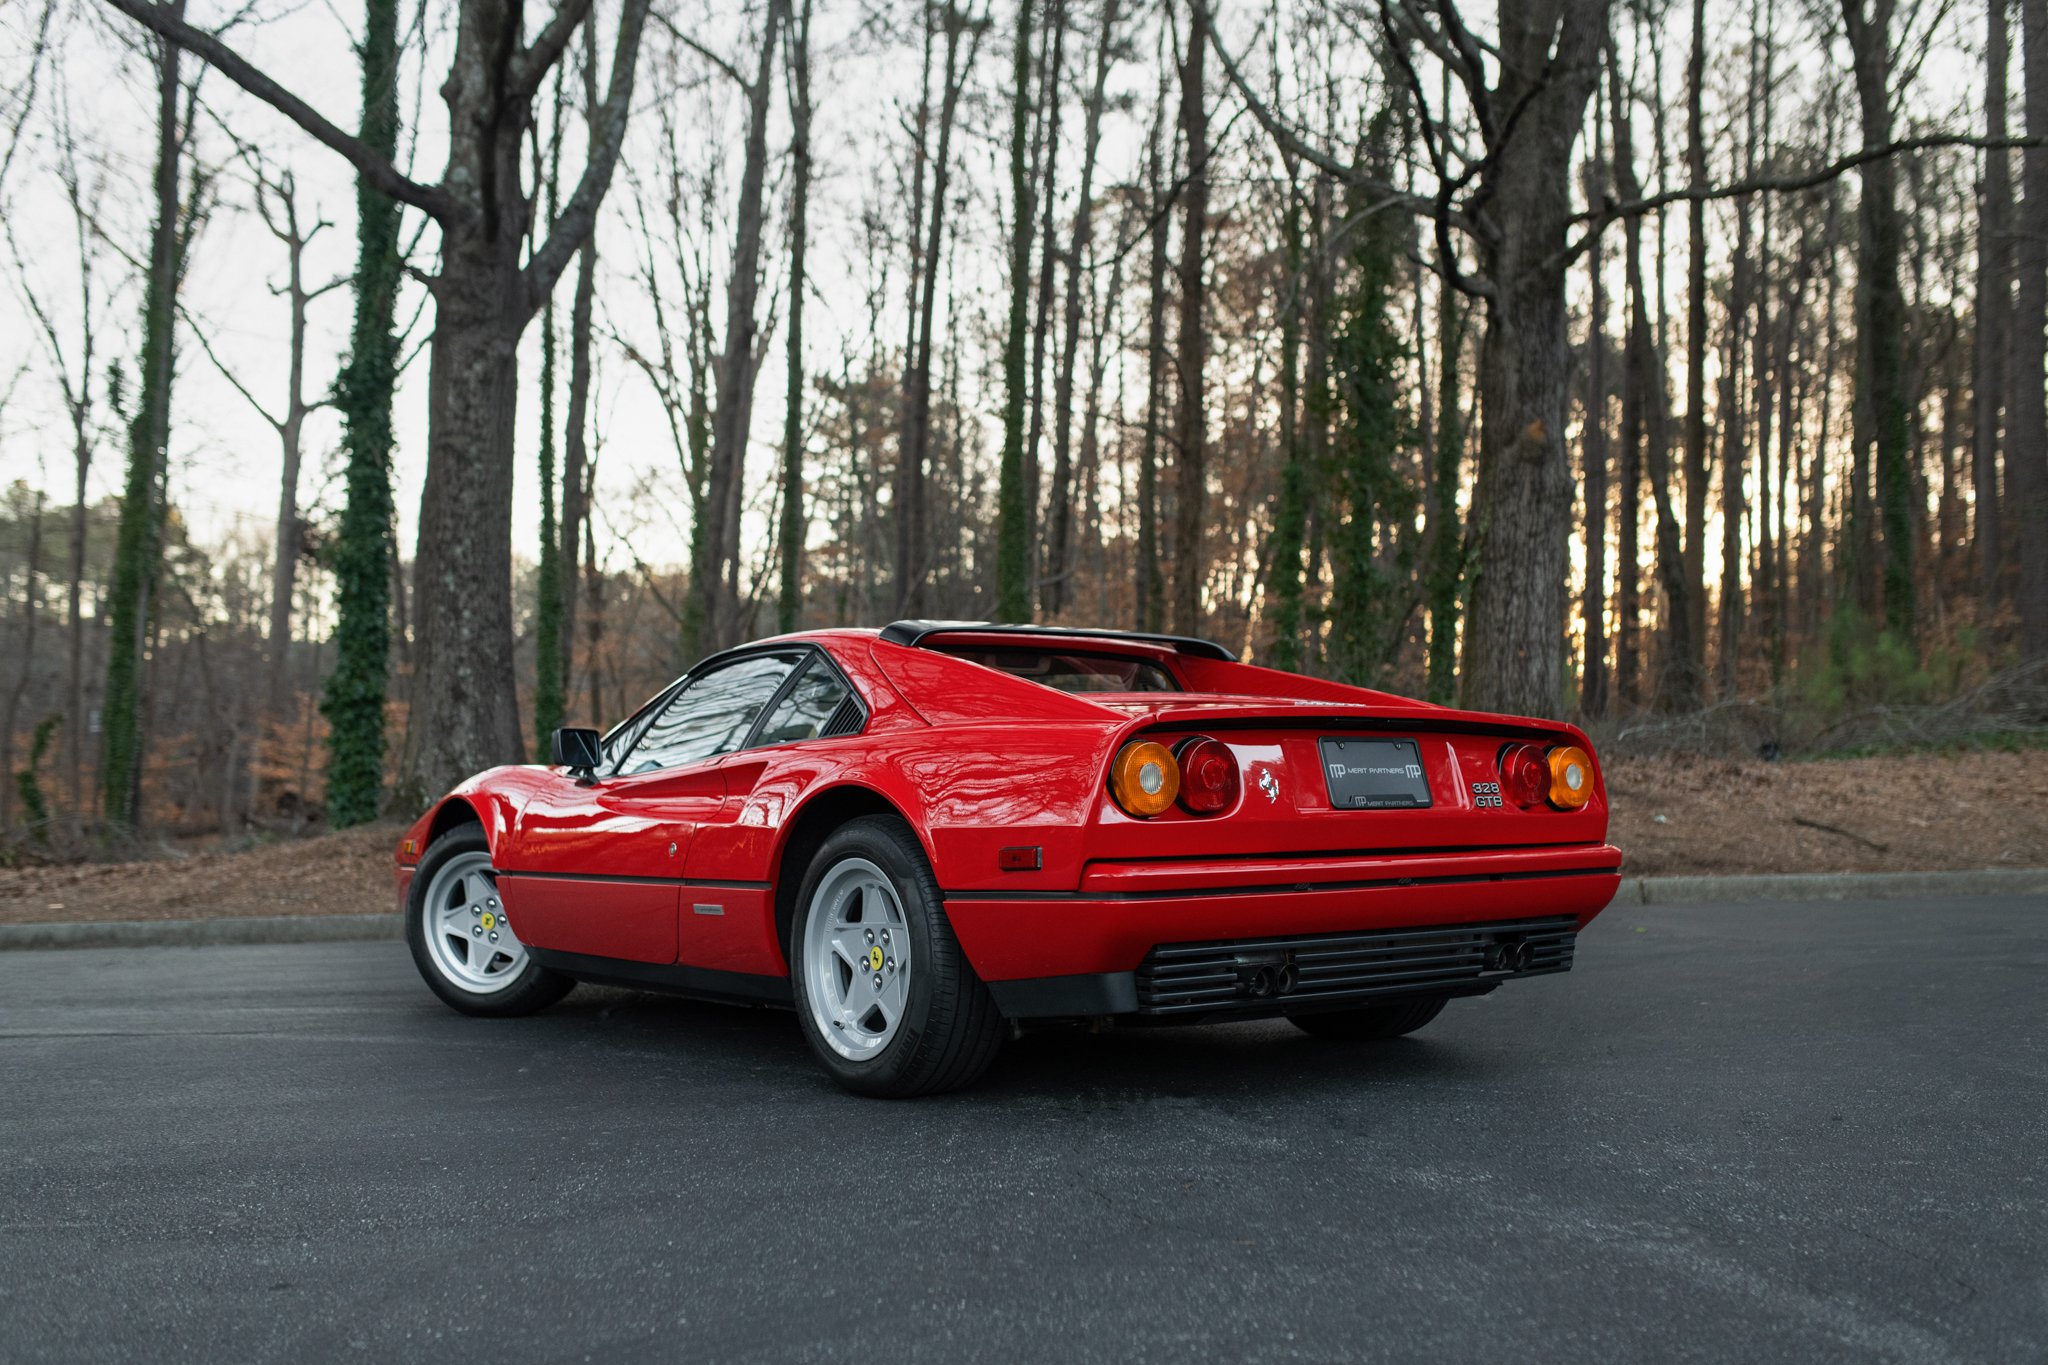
{"x":490,"y":921}
{"x":875,"y":959}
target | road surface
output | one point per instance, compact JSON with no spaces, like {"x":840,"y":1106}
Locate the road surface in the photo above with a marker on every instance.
{"x":1794,"y":1132}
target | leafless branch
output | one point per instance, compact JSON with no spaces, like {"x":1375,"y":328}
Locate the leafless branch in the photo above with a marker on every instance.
{"x":379,"y":173}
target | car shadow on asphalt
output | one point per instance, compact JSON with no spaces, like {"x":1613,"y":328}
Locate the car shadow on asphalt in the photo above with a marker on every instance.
{"x":1265,"y":1058}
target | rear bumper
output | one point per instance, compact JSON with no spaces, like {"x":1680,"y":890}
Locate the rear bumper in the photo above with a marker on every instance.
{"x":1092,"y":952}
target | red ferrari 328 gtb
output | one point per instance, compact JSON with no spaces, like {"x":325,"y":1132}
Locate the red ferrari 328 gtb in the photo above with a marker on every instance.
{"x":925,"y":836}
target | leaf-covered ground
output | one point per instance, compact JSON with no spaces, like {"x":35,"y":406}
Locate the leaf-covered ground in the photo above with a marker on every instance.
{"x":1914,"y":812}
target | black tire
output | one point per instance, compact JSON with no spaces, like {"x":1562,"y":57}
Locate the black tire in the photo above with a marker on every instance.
{"x":950,"y":1029}
{"x":1375,"y":1022}
{"x":532,"y":989}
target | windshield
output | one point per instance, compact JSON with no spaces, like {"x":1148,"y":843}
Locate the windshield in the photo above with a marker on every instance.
{"x":1075,"y":671}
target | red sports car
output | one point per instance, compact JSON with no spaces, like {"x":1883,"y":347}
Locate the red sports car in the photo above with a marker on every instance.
{"x":927,"y":836}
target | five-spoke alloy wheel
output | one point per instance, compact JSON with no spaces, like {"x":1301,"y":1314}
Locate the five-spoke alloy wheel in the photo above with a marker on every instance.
{"x":883,"y":992}
{"x":462,"y":941}
{"x":857,"y":959}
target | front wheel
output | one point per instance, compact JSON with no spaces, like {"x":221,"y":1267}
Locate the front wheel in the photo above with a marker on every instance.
{"x":1390,"y":1020}
{"x":884,"y":995}
{"x":460,"y":939}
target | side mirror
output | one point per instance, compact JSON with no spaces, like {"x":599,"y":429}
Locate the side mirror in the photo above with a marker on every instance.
{"x":580,"y":751}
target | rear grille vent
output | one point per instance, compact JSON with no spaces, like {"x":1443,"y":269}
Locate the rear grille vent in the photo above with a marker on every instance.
{"x":1261,"y":973}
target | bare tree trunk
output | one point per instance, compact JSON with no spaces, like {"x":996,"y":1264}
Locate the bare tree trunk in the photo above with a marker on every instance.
{"x":913,"y":551}
{"x":733,"y":404}
{"x":1048,"y":200}
{"x":1191,"y":481}
{"x":1514,"y":638}
{"x":576,"y":417}
{"x":1593,"y":678}
{"x":1994,"y":302}
{"x":26,"y":668}
{"x":1628,"y":554}
{"x":1059,"y":528}
{"x":1881,"y":325}
{"x":2027,"y":431}
{"x":1013,"y":537}
{"x":1645,"y":427}
{"x":791,"y":595}
{"x":1686,"y":671}
{"x":1732,"y":462}
{"x":1151,"y":588}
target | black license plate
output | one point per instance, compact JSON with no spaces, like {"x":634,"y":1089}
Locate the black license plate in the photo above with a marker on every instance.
{"x":1375,"y":774}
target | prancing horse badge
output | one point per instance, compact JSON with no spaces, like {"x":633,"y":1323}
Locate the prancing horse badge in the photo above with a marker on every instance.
{"x":1269,"y":784}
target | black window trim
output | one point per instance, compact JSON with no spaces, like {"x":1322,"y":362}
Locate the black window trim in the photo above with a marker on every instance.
{"x":807,"y":653}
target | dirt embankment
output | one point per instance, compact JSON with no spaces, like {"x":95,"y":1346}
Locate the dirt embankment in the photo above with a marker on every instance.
{"x":1919,"y":812}
{"x":1900,"y":813}
{"x":328,"y":874}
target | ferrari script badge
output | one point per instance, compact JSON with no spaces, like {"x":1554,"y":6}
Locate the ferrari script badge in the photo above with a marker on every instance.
{"x":1269,"y":784}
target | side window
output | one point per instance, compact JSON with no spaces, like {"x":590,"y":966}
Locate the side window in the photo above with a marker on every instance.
{"x":802,"y":714}
{"x":626,"y":733}
{"x":711,"y":715}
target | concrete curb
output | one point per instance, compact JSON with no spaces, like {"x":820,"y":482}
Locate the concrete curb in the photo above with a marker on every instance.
{"x":1794,"y":886}
{"x":1832,"y":886}
{"x":202,"y":933}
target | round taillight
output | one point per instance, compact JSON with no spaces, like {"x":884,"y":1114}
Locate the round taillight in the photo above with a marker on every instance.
{"x":1524,"y":775}
{"x":1208,"y":775}
{"x":1144,"y":779}
{"x":1571,"y":777}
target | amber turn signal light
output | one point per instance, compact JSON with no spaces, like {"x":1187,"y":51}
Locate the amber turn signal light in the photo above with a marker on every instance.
{"x":1144,"y":779}
{"x":1571,"y":777}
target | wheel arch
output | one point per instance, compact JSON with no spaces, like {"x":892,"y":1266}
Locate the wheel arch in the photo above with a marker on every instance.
{"x":806,"y":832}
{"x":484,"y":809}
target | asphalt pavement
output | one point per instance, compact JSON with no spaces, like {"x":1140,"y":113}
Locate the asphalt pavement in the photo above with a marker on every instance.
{"x":1766,"y":1132}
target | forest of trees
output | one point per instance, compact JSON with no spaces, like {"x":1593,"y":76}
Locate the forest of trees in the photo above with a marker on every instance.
{"x":1623,"y":359}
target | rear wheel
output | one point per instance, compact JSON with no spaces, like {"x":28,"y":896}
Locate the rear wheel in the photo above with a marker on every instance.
{"x":884,"y":995}
{"x":461,"y":940}
{"x":1390,"y":1020}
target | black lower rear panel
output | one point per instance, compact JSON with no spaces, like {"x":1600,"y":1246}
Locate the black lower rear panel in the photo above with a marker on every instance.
{"x":1312,"y":969}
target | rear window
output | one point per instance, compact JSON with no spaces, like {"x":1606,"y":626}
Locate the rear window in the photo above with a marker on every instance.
{"x":1075,"y":671}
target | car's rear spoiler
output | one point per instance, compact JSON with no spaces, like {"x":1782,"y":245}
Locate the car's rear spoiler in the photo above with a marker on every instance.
{"x":913,"y":634}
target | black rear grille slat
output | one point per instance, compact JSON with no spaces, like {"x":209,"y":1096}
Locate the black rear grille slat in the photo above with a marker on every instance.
{"x":1182,"y":978}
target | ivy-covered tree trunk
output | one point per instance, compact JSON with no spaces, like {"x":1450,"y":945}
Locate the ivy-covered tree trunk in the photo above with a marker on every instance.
{"x":463,"y":715}
{"x":138,"y":545}
{"x":1013,"y":591}
{"x":354,"y":695}
{"x":1365,"y":360}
